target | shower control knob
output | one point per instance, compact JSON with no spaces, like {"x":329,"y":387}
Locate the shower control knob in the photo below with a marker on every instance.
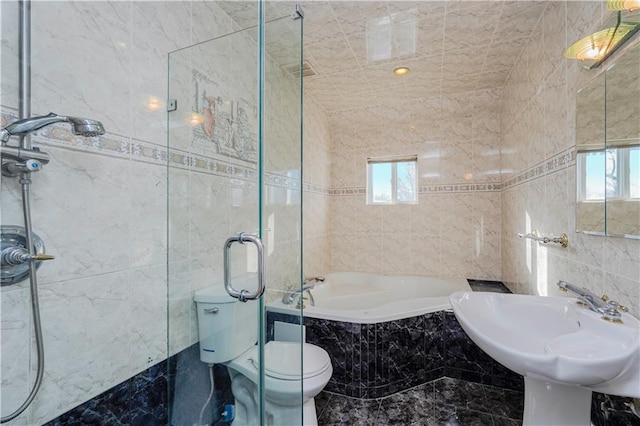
{"x":13,"y":168}
{"x":32,"y":166}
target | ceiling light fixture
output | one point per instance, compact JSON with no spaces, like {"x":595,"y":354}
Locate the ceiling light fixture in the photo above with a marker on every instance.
{"x":401,"y":71}
{"x":595,"y":48}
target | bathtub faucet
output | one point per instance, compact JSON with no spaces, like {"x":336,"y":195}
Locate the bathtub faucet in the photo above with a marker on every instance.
{"x":288,"y":298}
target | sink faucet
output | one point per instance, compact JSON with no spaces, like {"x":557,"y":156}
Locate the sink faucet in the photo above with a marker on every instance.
{"x":608,"y":309}
{"x":307,"y":286}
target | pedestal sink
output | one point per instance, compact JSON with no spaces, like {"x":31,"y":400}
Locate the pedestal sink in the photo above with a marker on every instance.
{"x":564,"y":351}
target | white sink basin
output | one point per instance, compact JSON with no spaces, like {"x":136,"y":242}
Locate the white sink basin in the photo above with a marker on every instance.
{"x":556,"y":343}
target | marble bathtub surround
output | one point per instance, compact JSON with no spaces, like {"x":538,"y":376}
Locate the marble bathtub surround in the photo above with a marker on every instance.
{"x":375,"y":360}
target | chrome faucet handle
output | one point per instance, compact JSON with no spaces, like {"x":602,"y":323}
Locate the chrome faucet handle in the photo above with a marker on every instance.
{"x":612,"y":314}
{"x":617,"y":306}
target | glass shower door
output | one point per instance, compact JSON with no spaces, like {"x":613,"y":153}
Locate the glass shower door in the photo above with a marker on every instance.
{"x":234,"y":166}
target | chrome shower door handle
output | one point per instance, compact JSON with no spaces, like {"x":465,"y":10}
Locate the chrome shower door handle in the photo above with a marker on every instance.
{"x":244,"y":295}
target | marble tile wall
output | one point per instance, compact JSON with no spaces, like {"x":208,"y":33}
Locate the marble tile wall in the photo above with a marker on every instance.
{"x":455,"y":226}
{"x":537,"y":140}
{"x":316,"y":198}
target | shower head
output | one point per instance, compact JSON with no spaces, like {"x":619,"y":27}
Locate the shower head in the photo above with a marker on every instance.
{"x":81,"y":126}
{"x":86,"y":127}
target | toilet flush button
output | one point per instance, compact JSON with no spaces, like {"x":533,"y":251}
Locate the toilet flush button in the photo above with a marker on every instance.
{"x":212,"y":310}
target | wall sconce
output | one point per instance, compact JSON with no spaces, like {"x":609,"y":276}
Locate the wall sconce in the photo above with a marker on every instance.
{"x":595,"y":48}
{"x":629,"y":5}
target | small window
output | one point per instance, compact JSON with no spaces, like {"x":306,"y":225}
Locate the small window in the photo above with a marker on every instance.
{"x":392,"y":180}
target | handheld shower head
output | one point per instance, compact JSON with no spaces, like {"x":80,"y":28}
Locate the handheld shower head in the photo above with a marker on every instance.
{"x":86,"y":127}
{"x":81,"y":126}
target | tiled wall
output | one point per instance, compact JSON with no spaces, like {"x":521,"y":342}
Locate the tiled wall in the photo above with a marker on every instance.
{"x":316,"y":199}
{"x":454,"y":229}
{"x":537,"y":140}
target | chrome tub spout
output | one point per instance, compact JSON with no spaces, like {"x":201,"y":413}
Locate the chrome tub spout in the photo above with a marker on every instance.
{"x":289,"y":298}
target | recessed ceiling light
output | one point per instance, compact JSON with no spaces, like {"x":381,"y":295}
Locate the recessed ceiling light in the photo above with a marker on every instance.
{"x":401,"y":71}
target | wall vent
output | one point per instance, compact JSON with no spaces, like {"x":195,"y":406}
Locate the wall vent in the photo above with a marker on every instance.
{"x":294,"y":69}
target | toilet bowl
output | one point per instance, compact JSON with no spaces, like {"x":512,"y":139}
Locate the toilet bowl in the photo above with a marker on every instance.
{"x":281,"y":382}
{"x":228,"y":331}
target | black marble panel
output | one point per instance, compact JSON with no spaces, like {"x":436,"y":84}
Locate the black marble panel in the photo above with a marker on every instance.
{"x":140,"y":400}
{"x":608,"y":410}
{"x":376,"y":360}
{"x":488,"y":286}
{"x":461,"y":352}
{"x":190,"y":385}
{"x":277,"y":316}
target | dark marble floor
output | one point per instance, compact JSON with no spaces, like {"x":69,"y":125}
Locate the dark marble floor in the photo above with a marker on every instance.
{"x":444,"y":401}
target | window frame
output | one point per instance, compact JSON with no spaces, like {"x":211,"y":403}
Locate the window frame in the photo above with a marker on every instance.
{"x":394,"y":179}
{"x":621,"y":155}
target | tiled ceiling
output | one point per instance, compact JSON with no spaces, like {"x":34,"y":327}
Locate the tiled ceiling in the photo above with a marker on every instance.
{"x":449,"y":46}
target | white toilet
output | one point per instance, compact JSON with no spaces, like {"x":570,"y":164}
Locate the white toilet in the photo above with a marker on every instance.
{"x":228,"y":332}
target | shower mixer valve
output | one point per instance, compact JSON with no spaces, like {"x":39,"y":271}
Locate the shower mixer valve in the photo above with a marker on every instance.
{"x":13,"y":256}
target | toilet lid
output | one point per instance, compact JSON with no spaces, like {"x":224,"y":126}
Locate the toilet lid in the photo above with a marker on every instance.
{"x":282,"y":360}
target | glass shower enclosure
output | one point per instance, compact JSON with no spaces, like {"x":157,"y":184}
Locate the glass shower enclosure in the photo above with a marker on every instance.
{"x":234,"y":183}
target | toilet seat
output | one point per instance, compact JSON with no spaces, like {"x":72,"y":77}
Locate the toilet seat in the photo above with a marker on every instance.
{"x":282,"y":360}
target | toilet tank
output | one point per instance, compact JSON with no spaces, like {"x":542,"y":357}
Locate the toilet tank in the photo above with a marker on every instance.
{"x":226,"y":326}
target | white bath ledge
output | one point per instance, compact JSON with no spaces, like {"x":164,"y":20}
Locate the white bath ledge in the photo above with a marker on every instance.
{"x":364,"y":298}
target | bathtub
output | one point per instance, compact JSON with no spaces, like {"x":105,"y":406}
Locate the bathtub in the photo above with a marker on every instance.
{"x":365,"y":298}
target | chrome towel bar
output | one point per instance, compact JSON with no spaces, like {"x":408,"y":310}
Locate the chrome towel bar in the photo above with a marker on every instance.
{"x":563,"y":239}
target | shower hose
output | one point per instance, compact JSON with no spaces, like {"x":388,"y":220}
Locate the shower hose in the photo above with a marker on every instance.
{"x":25,"y":181}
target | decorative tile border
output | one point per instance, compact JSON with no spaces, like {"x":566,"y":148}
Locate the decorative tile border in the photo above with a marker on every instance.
{"x":347,"y":191}
{"x":556,"y":163}
{"x":317,"y":189}
{"x":137,"y":150}
{"x":461,"y":187}
{"x":428,"y":189}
